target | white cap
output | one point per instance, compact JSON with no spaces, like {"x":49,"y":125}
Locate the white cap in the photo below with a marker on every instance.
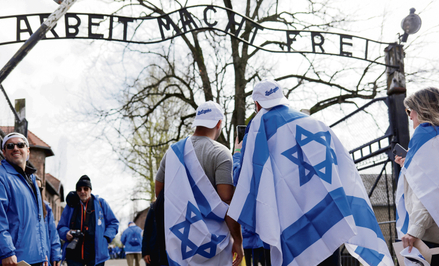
{"x":268,"y":93}
{"x":14,"y":135}
{"x":208,"y":115}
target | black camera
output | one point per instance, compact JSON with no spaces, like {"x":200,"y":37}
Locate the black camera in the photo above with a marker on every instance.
{"x":77,"y":235}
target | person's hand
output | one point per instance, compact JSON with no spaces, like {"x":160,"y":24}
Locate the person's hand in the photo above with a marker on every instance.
{"x":10,"y":261}
{"x":408,"y":241}
{"x":69,"y":236}
{"x":238,"y":145}
{"x":147,"y":259}
{"x":399,"y":160}
{"x":237,"y":253}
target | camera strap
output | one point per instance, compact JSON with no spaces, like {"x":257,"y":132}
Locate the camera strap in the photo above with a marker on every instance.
{"x":88,"y":213}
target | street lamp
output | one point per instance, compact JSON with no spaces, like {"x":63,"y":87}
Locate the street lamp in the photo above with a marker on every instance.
{"x":410,"y":24}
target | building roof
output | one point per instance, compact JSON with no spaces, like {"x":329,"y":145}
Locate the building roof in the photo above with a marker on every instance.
{"x":53,"y":183}
{"x":34,"y":141}
{"x":140,"y":218}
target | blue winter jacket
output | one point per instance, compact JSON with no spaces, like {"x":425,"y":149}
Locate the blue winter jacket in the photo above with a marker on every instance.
{"x":127,"y":236}
{"x":106,"y":226}
{"x":53,"y":242}
{"x":22,"y":229}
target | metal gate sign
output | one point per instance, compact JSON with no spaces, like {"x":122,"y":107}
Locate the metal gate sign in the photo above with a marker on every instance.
{"x":147,"y":30}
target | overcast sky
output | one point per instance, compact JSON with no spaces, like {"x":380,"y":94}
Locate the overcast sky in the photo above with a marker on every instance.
{"x":55,"y":76}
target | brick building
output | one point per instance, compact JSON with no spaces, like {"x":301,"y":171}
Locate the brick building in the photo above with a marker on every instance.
{"x":54,"y":194}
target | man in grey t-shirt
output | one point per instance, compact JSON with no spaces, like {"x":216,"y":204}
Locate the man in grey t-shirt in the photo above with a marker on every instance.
{"x":214,"y":157}
{"x":216,"y":161}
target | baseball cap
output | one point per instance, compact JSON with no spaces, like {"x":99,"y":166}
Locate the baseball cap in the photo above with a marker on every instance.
{"x":268,"y":93}
{"x":208,"y":115}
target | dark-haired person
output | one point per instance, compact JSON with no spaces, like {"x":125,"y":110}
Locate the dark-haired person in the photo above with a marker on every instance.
{"x":22,"y":229}
{"x":94,"y":223}
{"x":418,"y":185}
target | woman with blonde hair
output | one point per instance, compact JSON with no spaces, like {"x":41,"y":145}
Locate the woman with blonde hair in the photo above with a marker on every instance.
{"x":417,"y":194}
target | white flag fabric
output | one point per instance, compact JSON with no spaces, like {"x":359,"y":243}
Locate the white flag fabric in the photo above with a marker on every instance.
{"x":195,"y":230}
{"x":421,"y":170}
{"x":300,"y":191}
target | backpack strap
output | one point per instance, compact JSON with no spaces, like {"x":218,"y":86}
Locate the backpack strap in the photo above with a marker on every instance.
{"x":76,"y":209}
{"x":89,"y":212}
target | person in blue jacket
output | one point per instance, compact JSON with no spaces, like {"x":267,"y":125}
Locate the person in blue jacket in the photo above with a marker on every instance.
{"x":254,"y":249}
{"x":87,"y":225}
{"x":22,"y":229}
{"x":53,"y":242}
{"x":132,"y":240}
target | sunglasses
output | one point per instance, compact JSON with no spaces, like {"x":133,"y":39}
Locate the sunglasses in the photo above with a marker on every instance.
{"x":82,"y":188}
{"x":20,"y":145}
{"x":408,"y":111}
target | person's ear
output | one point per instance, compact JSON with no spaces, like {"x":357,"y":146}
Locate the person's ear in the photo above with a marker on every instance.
{"x":258,"y":106}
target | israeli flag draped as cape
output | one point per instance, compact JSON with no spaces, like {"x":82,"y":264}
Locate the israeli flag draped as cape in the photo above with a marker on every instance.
{"x":421,"y":170}
{"x":300,"y":191}
{"x":195,"y":230}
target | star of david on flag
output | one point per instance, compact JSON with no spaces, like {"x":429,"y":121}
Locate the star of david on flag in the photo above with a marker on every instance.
{"x":307,"y":171}
{"x":188,"y":248}
{"x":299,"y":190}
{"x":195,"y":230}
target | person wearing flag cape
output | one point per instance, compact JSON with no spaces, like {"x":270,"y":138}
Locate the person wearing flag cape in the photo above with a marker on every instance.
{"x":196,"y":175}
{"x":417,"y":193}
{"x":298,"y":188}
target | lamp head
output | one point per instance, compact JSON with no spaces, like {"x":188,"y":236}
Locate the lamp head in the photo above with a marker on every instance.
{"x":410,"y":24}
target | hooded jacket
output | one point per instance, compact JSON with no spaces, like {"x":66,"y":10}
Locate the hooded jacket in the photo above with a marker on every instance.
{"x":22,"y":229}
{"x":106,"y":226}
{"x":126,"y":239}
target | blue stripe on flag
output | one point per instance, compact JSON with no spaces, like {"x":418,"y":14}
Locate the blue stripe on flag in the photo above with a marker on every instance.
{"x":364,"y":215}
{"x":178,"y":149}
{"x":270,"y":122}
{"x":405,"y":226}
{"x":423,"y":133}
{"x":260,"y":156}
{"x":372,"y":257}
{"x":279,"y":116}
{"x":201,"y":200}
{"x":314,"y":224}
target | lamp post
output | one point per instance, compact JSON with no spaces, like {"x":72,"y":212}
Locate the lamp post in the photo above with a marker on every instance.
{"x":396,"y":86}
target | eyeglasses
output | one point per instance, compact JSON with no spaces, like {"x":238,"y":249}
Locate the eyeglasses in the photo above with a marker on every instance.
{"x":82,"y":188}
{"x":20,"y":145}
{"x":408,"y":111}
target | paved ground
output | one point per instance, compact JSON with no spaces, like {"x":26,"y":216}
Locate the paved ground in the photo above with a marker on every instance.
{"x":121,"y":262}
